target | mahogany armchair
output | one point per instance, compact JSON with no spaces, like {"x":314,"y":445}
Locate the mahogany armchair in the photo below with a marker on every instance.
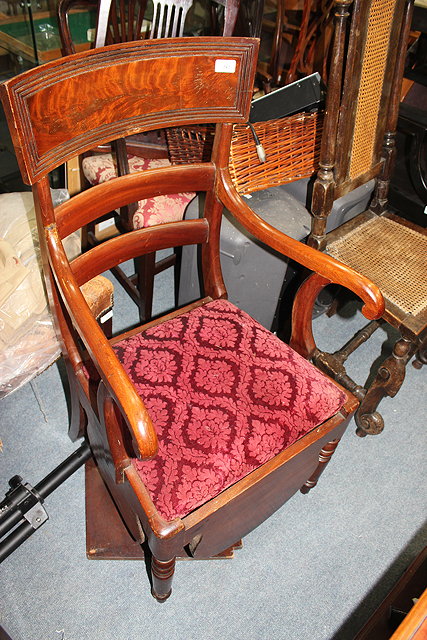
{"x":122,"y":21}
{"x":201,"y":423}
{"x":357,"y":146}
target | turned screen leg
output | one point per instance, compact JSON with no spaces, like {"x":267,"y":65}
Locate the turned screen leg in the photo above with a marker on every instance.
{"x":162,"y":575}
{"x":324,"y":456}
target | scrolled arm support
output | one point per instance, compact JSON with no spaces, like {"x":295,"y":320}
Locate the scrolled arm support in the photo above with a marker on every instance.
{"x":113,"y":375}
{"x":302,"y":339}
{"x":326,"y":267}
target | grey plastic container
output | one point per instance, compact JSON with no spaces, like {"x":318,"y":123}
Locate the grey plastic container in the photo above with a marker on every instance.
{"x":343,"y":209}
{"x":253,"y":273}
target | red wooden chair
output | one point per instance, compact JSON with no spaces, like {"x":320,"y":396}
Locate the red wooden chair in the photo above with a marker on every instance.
{"x":201,"y":423}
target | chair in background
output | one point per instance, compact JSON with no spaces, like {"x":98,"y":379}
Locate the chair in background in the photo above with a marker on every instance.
{"x":248,"y":22}
{"x":313,"y":42}
{"x":202,"y":423}
{"x":122,"y":21}
{"x":300,"y":42}
{"x":358,"y":145}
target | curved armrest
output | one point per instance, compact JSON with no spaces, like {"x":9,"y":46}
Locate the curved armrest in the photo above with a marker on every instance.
{"x":334,"y":271}
{"x":110,"y":369}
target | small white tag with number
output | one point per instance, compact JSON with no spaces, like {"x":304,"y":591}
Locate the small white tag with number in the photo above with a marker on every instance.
{"x":225,"y":66}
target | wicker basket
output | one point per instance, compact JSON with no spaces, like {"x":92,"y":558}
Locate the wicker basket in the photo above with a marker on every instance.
{"x":190,"y":144}
{"x":291,"y":144}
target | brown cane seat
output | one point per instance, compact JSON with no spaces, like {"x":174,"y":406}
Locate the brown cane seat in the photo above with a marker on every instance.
{"x":368,"y":246}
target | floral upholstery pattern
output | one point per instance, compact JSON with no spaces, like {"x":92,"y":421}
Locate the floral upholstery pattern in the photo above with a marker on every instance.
{"x":225,"y":396}
{"x":152,"y":211}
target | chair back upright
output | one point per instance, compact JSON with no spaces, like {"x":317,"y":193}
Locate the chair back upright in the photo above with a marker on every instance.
{"x":169,"y":18}
{"x":362,"y":102}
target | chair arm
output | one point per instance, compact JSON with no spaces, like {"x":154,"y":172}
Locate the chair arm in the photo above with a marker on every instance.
{"x":322,"y":264}
{"x":109,"y":368}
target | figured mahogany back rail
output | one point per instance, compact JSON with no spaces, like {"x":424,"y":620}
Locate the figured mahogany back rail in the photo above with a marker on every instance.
{"x":73,"y":104}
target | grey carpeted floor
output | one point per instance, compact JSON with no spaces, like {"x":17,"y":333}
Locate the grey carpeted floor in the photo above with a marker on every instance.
{"x":314,"y":571}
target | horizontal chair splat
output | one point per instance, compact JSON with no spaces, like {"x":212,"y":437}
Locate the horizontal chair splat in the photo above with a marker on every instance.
{"x":103,"y":198}
{"x":137,"y":243}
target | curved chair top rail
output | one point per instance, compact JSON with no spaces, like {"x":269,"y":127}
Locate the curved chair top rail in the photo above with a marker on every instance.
{"x":212,"y":75}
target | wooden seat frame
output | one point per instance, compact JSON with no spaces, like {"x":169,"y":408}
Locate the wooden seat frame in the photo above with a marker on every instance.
{"x":52,"y":118}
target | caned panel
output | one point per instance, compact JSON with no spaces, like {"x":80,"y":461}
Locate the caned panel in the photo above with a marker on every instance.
{"x":371,"y":85}
{"x":368,"y":248}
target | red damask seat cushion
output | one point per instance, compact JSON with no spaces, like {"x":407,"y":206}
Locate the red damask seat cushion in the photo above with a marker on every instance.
{"x":167,"y":208}
{"x":225,"y":396}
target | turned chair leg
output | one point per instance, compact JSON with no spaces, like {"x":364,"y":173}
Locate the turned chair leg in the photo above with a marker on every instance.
{"x":420,"y":357}
{"x":145,"y":272}
{"x":162,"y":575}
{"x":78,"y":418}
{"x":324,"y":456}
{"x":389,"y":379}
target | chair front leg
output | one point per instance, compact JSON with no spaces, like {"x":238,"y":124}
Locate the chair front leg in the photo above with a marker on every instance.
{"x":162,"y":576}
{"x":325,"y":455}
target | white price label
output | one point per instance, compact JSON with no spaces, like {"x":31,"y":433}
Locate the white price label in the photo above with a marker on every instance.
{"x":225,"y":66}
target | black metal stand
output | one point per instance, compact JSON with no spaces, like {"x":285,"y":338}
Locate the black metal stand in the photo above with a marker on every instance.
{"x":27,"y":5}
{"x":22,"y":509}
